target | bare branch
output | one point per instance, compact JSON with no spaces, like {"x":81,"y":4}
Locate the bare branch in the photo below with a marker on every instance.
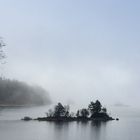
{"x":2,"y":44}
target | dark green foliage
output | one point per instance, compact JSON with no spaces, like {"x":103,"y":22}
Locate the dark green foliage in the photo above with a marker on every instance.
{"x":101,"y":115}
{"x":78,"y":114}
{"x":97,"y":111}
{"x":61,"y":113}
{"x":84,"y":113}
{"x":95,"y":107}
{"x":67,"y":108}
{"x":59,"y":110}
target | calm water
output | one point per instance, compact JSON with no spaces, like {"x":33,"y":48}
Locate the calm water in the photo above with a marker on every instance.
{"x":11,"y":128}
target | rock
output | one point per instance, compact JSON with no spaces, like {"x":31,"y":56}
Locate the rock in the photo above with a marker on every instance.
{"x":117,"y":119}
{"x":26,"y":118}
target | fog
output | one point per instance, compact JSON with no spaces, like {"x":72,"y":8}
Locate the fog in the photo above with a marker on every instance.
{"x":76,"y":50}
{"x":15,"y":93}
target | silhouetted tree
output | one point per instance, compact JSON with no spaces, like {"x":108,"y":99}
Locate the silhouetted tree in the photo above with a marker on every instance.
{"x":95,"y":107}
{"x":104,"y":110}
{"x":98,"y":106}
{"x":50,"y":113}
{"x":59,"y":110}
{"x":78,"y":113}
{"x":67,"y":108}
{"x":84,"y":113}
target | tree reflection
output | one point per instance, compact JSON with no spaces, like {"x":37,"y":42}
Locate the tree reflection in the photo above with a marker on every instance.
{"x":98,"y":130}
{"x":61,"y":130}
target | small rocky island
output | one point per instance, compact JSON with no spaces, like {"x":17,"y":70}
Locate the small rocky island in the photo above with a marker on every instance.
{"x":94,"y":112}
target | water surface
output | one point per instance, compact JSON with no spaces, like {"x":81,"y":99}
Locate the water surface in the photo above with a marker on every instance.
{"x":11,"y":128}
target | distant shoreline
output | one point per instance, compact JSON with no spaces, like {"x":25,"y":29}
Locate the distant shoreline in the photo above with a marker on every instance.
{"x":12,"y":105}
{"x":33,"y":105}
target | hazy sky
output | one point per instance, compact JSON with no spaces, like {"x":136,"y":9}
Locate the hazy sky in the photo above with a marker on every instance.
{"x":76,"y":49}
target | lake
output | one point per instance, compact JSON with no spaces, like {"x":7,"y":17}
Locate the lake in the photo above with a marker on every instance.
{"x":11,"y":128}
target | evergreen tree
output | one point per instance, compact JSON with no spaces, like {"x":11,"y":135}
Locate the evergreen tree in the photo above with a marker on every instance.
{"x":78,"y":114}
{"x":95,"y":107}
{"x":84,"y":113}
{"x":59,"y":110}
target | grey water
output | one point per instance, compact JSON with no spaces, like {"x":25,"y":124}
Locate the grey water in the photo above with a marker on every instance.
{"x":12,"y":128}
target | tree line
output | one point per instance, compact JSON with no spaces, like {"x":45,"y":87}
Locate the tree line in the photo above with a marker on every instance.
{"x":17,"y":93}
{"x":94,"y":110}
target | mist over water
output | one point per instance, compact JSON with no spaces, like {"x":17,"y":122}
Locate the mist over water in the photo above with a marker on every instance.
{"x":11,"y":127}
{"x":78,"y":51}
{"x":16,"y":93}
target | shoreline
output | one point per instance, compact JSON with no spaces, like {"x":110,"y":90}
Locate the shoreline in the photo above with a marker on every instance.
{"x":67,"y":119}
